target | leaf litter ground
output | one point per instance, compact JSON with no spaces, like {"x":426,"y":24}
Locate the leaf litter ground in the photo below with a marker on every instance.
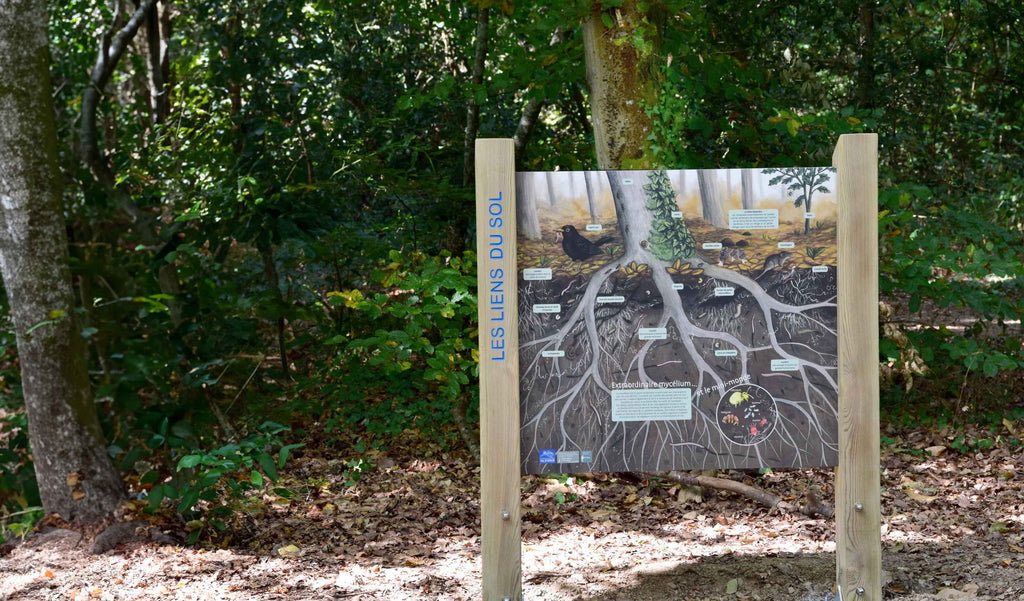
{"x":408,"y":529}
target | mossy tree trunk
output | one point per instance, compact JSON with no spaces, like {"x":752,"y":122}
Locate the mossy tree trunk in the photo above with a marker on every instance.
{"x":76,"y":477}
{"x":621,"y":75}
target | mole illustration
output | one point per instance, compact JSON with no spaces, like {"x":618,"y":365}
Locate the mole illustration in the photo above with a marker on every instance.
{"x":774,"y":261}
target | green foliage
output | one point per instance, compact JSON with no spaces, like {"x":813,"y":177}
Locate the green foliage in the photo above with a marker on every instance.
{"x":326,"y":138}
{"x":670,"y":238}
{"x":955,"y":260}
{"x":414,"y":357}
{"x":203,"y":479}
{"x":354,"y":469}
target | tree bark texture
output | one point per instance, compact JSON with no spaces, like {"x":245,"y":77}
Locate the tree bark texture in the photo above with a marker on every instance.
{"x":747,"y":193}
{"x":622,"y":84}
{"x":526,"y":207}
{"x":865,"y":84}
{"x":472,"y":109}
{"x":76,"y":477}
{"x":158,"y":25}
{"x":710,"y":199}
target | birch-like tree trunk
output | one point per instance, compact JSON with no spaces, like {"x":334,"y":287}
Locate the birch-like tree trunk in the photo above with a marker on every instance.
{"x":592,"y":189}
{"x":710,"y":200}
{"x":552,"y":199}
{"x":747,"y":192}
{"x":526,"y":206}
{"x":76,"y":477}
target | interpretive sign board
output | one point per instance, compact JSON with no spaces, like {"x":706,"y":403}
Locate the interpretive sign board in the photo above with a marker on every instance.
{"x":670,"y":325}
{"x":677,"y":319}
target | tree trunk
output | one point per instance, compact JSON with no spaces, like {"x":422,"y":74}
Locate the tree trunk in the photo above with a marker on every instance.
{"x":865,"y":83}
{"x":634,"y":218}
{"x":710,"y":203}
{"x":76,"y":477}
{"x":472,"y":109}
{"x":622,"y":84}
{"x":747,"y":193}
{"x":588,"y":177}
{"x":157,"y":61}
{"x":549,"y":178}
{"x":274,"y":284}
{"x":526,"y":207}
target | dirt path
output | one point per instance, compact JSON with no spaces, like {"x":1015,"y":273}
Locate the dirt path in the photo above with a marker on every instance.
{"x":952,"y":529}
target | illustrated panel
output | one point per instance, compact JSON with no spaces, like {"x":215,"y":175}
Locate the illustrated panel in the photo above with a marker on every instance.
{"x":677,"y":319}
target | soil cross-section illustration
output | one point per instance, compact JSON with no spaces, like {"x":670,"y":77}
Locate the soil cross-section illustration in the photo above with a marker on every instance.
{"x":677,"y":319}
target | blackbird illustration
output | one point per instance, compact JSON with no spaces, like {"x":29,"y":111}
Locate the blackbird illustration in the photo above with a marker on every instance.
{"x":577,"y":247}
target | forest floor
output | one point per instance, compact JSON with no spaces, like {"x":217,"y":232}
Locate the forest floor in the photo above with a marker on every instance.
{"x":952,"y":528}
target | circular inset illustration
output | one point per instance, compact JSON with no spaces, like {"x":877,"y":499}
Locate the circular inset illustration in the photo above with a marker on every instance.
{"x":747,"y":414}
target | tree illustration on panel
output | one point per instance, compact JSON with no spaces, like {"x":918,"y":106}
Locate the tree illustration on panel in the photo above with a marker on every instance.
{"x":802,"y":182}
{"x":659,"y":317}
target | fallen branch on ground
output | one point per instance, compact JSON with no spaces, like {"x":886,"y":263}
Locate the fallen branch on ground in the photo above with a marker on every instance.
{"x":812,"y":508}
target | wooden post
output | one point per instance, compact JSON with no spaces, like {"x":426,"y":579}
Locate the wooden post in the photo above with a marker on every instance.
{"x":858,"y":504}
{"x":501,"y":536}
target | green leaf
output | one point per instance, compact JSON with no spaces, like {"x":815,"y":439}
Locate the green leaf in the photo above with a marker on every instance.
{"x":267,"y":463}
{"x":190,"y":498}
{"x":257,"y":478}
{"x":607,"y":20}
{"x":732,"y":586}
{"x":189,"y":461}
{"x":285,"y":450}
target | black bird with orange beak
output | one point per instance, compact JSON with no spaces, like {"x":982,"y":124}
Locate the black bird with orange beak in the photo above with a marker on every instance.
{"x":577,"y":247}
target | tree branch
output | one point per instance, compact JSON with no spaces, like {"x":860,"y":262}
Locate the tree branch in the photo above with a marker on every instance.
{"x":813,"y":507}
{"x":111,"y":49}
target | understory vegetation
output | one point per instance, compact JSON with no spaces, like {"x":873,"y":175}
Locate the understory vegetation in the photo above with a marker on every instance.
{"x":281,"y":259}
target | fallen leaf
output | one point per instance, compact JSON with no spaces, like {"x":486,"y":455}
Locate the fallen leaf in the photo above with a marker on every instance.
{"x":1009,"y":426}
{"x":73,"y":479}
{"x":936,"y":450}
{"x":911,"y":488}
{"x":47,"y":574}
{"x":999,"y":527}
{"x":289,"y":551}
{"x":732,"y":586}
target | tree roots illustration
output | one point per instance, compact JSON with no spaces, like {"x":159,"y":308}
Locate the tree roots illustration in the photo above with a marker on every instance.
{"x":716,"y":332}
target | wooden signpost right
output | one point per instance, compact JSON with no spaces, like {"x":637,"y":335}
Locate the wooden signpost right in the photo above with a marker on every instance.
{"x":858,"y":507}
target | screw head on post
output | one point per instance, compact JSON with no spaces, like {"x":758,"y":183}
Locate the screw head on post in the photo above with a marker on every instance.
{"x":505,"y":515}
{"x":858,"y":506}
{"x":860,"y":591}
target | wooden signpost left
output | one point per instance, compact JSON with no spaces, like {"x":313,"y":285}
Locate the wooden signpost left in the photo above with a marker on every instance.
{"x":501,"y":544}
